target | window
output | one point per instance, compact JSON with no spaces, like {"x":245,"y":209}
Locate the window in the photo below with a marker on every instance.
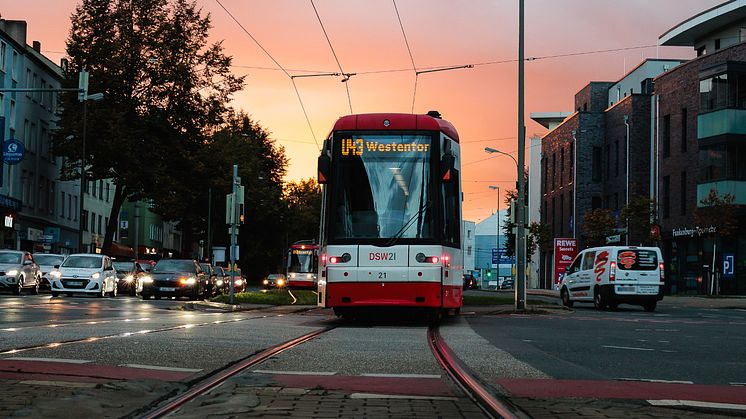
{"x":562,"y":215}
{"x":75,"y":208}
{"x":85,"y":220}
{"x":544,"y":164}
{"x":92,"y":185}
{"x":468,"y":251}
{"x":108,"y":187}
{"x":554,"y":170}
{"x":14,"y":67}
{"x":101,"y":190}
{"x":28,"y":81}
{"x":52,"y":194}
{"x":100,"y":231}
{"x":666,"y":136}
{"x":616,"y":201}
{"x":717,"y":44}
{"x":607,"y":162}
{"x":93,"y":223}
{"x":562,"y":168}
{"x":684,"y":128}
{"x":588,"y":260}
{"x":554,"y":220}
{"x":572,"y":160}
{"x":3,"y":48}
{"x":575,"y":267}
{"x":616,"y":158}
{"x":596,"y":164}
{"x":682,"y":194}
{"x":666,"y":196}
{"x":35,"y":85}
{"x":596,"y":202}
{"x":722,"y":91}
{"x":62,"y":204}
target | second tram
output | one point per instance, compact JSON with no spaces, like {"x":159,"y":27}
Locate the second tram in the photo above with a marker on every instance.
{"x":391,"y":214}
{"x":302,"y":264}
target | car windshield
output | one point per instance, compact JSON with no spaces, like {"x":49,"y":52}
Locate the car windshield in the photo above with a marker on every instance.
{"x":206,"y":267}
{"x":49,"y":259}
{"x":173,"y":266}
{"x":10,"y":257}
{"x":124,"y":266}
{"x":90,"y":262}
{"x":383,"y":188}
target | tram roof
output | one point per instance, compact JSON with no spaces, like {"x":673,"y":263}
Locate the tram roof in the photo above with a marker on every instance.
{"x":397,"y":122}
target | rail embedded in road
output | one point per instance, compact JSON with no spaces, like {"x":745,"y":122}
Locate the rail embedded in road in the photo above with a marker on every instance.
{"x":491,"y":404}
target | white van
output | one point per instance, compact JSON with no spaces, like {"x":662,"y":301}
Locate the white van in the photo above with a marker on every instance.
{"x":613,"y":275}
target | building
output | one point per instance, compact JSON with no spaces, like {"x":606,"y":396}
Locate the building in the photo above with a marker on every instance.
{"x":39,"y":210}
{"x":485,"y":243}
{"x":147,"y":232}
{"x":98,"y":198}
{"x":469,"y":232}
{"x":669,"y":130}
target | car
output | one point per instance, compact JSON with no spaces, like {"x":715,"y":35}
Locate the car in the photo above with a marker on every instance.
{"x":239,"y":284}
{"x":146,"y":264}
{"x":211,"y":277}
{"x":18,"y":271}
{"x":611,"y":275}
{"x":84,"y":273}
{"x":175,"y":278}
{"x":128,"y":275}
{"x":469,"y":281}
{"x":47,"y":262}
{"x":274,"y":281}
{"x":222,"y":280}
{"x":507,"y":284}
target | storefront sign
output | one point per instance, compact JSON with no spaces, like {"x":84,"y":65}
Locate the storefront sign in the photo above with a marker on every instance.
{"x":10,"y":203}
{"x":565,"y":251}
{"x":729,"y":265}
{"x":9,"y":221}
{"x":34,"y":234}
{"x":694,"y":232}
{"x":13,"y":151}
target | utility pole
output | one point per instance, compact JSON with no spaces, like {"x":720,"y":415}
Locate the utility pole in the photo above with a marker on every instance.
{"x":209,"y":225}
{"x":233,"y":215}
{"x":520,"y":298}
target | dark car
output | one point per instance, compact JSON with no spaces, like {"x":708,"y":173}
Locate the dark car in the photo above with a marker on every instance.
{"x":175,"y":278}
{"x":274,"y":281}
{"x":128,"y":276}
{"x":222,"y":280}
{"x":507,"y":284}
{"x":239,"y":284}
{"x":469,"y":281}
{"x":211,"y":277}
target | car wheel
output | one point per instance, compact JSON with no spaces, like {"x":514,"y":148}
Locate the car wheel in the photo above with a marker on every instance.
{"x":650,"y":307}
{"x":35,"y":290}
{"x":598,"y":299}
{"x":114,"y":292}
{"x":18,"y":288}
{"x":55,"y":294}
{"x":102,"y":294}
{"x":566,"y":298}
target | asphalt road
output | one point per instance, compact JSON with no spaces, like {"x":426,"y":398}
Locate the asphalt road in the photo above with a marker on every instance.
{"x":674,"y":344}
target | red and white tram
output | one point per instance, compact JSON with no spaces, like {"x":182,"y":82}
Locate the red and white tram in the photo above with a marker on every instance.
{"x":302,"y":264}
{"x":391,"y":214}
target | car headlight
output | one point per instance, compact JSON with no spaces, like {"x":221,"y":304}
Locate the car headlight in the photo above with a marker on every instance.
{"x":129,"y":278}
{"x":12,"y":272}
{"x":55,"y":274}
{"x":219,"y":283}
{"x":265,"y":282}
{"x":147,"y":279}
{"x":239,"y":282}
{"x":187,"y":281}
{"x":280,"y":282}
{"x":96,"y":275}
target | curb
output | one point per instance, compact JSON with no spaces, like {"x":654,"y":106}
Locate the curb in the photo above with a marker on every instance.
{"x":222,"y":306}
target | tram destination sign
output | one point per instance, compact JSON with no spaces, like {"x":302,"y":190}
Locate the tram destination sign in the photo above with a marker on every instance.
{"x":413,"y":146}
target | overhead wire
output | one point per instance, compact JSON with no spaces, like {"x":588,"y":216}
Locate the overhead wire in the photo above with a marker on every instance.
{"x":411,"y":57}
{"x":346,"y":75}
{"x":292,"y":80}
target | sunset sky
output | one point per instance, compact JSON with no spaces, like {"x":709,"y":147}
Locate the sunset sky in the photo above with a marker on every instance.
{"x":481,"y":101}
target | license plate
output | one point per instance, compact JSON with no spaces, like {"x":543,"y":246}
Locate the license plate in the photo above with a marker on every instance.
{"x":650,"y":289}
{"x":74,"y":283}
{"x":167,"y":289}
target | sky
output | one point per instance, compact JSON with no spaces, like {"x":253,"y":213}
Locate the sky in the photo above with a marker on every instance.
{"x":481,"y":102}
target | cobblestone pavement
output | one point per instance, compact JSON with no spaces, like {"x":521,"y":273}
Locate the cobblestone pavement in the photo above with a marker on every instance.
{"x":592,"y":408}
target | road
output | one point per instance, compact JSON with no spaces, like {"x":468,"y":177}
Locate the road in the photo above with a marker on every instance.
{"x":120,"y":357}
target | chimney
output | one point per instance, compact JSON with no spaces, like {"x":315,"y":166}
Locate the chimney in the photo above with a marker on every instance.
{"x":16,"y":29}
{"x":37,"y":46}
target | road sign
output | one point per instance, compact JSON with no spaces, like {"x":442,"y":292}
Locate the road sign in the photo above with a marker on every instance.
{"x":729,"y":265}
{"x":494,"y":256}
{"x":13,"y":151}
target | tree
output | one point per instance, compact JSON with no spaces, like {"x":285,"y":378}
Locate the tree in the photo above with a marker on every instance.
{"x":164,"y":88}
{"x":719,"y":212}
{"x":303,"y":199}
{"x":538,"y":236}
{"x":597,"y":224}
{"x":638,"y":214}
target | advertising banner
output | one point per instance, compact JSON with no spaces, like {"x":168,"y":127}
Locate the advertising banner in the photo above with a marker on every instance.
{"x":565,"y":251}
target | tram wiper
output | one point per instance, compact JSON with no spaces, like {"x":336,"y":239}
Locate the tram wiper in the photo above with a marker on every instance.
{"x":395,"y":238}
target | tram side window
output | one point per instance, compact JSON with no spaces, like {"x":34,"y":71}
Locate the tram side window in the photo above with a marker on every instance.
{"x":450,"y":211}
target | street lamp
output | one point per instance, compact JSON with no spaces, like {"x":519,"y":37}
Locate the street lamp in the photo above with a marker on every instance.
{"x":498,"y":232}
{"x":94,"y":97}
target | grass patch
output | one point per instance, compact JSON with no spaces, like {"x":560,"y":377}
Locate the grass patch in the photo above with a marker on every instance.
{"x":271,"y":297}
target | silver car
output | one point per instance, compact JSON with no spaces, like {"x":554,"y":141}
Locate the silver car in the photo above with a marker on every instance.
{"x":18,"y":271}
{"x":85,"y":273}
{"x":47,"y":262}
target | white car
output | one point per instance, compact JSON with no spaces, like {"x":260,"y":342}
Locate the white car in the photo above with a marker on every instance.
{"x":47,"y":262}
{"x":85,"y":273}
{"x":612,"y":275}
{"x":18,"y":271}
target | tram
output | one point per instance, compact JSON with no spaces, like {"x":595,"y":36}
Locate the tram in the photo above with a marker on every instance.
{"x":302,"y":264}
{"x":390,"y":233}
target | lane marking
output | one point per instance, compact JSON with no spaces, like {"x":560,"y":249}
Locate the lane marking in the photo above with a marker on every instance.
{"x":402,"y":375}
{"x":694,"y":403}
{"x":60,"y":360}
{"x":397,"y":396}
{"x":653,"y":380}
{"x":630,"y":348}
{"x":58,"y":383}
{"x":737,"y":384}
{"x":160,"y":368}
{"x":276,"y":372}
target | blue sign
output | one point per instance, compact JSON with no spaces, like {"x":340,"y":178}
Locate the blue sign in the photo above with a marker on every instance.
{"x":13,"y":151}
{"x":729,"y":265}
{"x":494,"y":256}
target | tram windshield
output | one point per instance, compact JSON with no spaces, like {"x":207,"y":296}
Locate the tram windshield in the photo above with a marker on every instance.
{"x":302,"y":261}
{"x":383,"y":188}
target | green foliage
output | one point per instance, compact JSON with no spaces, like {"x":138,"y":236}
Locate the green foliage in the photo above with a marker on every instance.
{"x":303,"y":199}
{"x":719,"y":212}
{"x":639,"y":214}
{"x":272,"y":297}
{"x":597,"y":224}
{"x":164,"y":87}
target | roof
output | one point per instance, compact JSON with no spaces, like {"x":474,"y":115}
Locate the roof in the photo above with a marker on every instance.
{"x":548,"y":118}
{"x":396,"y":122}
{"x":688,"y":32}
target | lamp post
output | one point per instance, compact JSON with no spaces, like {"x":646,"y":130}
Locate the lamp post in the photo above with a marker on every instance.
{"x":497,"y":236}
{"x":85,"y":98}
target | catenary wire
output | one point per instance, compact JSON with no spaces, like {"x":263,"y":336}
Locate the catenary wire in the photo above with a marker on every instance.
{"x":411,"y":57}
{"x":345,"y":75}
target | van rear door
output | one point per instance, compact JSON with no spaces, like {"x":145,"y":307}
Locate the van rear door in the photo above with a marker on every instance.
{"x":639,"y":266}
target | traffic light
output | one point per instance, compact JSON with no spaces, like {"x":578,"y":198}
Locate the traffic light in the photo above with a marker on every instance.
{"x":489,"y":273}
{"x":240,"y":213}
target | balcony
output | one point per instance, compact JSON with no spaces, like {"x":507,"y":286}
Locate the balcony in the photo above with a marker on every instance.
{"x":720,"y":122}
{"x":736,"y":188}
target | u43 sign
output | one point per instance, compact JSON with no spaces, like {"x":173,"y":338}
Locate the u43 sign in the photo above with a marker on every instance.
{"x":13,"y":151}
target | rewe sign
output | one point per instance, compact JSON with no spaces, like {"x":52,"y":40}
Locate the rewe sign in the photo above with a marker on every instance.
{"x":565,"y":251}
